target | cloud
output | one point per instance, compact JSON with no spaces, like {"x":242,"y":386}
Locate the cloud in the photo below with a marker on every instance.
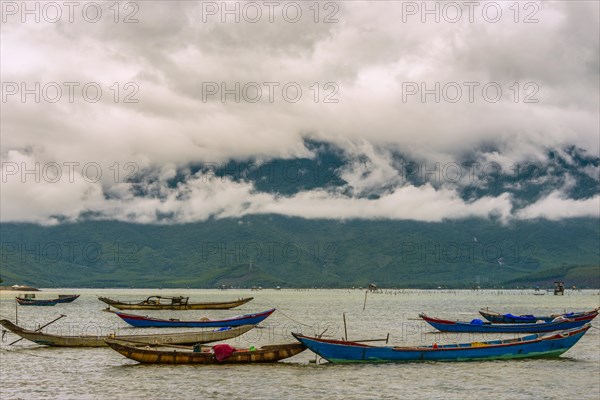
{"x":59,"y":194}
{"x":422,"y":203}
{"x":364,"y":62}
{"x":556,"y":206}
{"x":39,"y":193}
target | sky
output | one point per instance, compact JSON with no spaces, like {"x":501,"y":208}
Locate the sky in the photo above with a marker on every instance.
{"x":95,"y":95}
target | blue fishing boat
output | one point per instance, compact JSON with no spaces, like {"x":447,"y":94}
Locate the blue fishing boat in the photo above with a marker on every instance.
{"x":32,"y":301}
{"x":148,"y":322}
{"x":532,"y":346}
{"x":478,"y":326}
{"x":498,"y":318}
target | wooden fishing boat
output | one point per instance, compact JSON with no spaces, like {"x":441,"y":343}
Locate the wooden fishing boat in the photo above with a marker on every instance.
{"x":148,"y":322}
{"x":179,"y":338}
{"x":532,"y":346}
{"x":479,"y":326}
{"x":32,"y":301}
{"x":498,"y":318}
{"x":172,"y":303}
{"x":264,"y":354}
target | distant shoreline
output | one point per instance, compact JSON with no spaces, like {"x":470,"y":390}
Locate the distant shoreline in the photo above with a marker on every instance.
{"x":20,"y":288}
{"x":358,"y":289}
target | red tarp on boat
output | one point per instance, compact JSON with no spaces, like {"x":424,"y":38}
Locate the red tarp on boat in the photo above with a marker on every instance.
{"x":222,"y":351}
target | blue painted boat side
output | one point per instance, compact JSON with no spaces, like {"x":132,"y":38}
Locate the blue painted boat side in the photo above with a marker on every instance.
{"x":344,"y":352}
{"x":49,"y":302}
{"x":465,"y":327}
{"x":505,"y":319}
{"x":248,"y":319}
{"x":39,"y":303}
{"x":499,"y":318}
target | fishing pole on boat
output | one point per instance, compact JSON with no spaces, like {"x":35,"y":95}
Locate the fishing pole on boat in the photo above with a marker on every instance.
{"x":40,"y":328}
{"x":345,"y":338}
{"x":345,"y":328}
{"x":386,"y":340}
{"x":146,"y":344}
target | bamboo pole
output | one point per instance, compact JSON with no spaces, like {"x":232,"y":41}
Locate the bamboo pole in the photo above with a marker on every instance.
{"x":40,"y":328}
{"x":371,"y":340}
{"x":136,"y":342}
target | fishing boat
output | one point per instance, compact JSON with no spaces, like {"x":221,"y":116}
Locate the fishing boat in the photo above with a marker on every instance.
{"x":30,"y":300}
{"x":532,"y":346}
{"x":499,"y":318}
{"x":179,"y":338}
{"x":205,"y":354}
{"x":479,"y":326}
{"x":172,"y":303}
{"x":148,"y":322}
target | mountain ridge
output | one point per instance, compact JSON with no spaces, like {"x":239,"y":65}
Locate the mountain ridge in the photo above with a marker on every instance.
{"x":296,"y":252}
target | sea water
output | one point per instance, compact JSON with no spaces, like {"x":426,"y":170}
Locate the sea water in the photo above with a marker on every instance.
{"x":30,"y":371}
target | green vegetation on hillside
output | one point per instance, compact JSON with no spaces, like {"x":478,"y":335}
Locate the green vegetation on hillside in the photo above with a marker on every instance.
{"x":294,"y":252}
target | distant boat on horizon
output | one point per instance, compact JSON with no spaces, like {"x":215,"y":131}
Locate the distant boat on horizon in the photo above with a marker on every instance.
{"x":172,"y":303}
{"x":30,"y":300}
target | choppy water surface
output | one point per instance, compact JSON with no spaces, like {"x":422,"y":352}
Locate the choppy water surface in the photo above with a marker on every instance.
{"x":30,"y":371}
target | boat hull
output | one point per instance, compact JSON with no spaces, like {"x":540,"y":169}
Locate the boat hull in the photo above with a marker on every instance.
{"x":183,"y":338}
{"x":498,"y":318}
{"x":534,"y":346}
{"x":147,"y":322}
{"x":509,"y":319}
{"x":50,"y":302}
{"x":39,"y":303}
{"x":466,"y":327}
{"x":265,"y":354}
{"x":225,"y":305}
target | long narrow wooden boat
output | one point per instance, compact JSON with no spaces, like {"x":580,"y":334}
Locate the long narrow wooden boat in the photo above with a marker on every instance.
{"x":264,"y":354}
{"x":478,"y":326}
{"x":172,"y":303}
{"x":148,"y":322}
{"x":31,"y":301}
{"x":499,"y":318}
{"x":179,"y":338}
{"x":532,"y":346}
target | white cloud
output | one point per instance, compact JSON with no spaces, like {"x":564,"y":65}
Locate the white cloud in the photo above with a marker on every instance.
{"x":204,"y":195}
{"x":369,"y":54}
{"x":422,"y":203}
{"x":41,"y":195}
{"x":555,"y":206}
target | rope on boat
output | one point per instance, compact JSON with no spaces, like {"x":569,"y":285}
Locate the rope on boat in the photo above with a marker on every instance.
{"x":292,"y":319}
